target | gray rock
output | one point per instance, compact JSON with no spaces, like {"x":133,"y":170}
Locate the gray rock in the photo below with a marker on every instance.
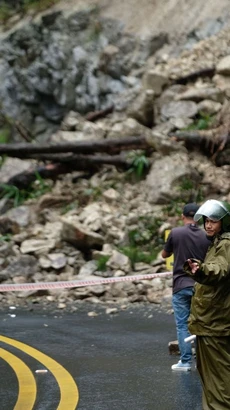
{"x":178,"y":109}
{"x":25,"y":266}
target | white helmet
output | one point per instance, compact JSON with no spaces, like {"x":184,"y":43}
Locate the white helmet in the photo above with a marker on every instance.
{"x":215,"y":210}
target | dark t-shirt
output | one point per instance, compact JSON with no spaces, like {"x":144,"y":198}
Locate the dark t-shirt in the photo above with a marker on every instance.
{"x":188,"y":241}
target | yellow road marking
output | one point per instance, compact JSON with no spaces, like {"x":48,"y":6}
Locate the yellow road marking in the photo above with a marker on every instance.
{"x":26,"y":381}
{"x":69,"y":395}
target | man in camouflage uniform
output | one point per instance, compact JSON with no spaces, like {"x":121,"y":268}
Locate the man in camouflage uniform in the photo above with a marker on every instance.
{"x":210,"y":309}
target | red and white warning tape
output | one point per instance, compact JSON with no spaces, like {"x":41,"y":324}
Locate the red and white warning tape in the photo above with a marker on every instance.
{"x":79,"y":283}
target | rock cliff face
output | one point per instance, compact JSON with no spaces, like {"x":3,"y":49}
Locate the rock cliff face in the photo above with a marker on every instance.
{"x":81,"y":62}
{"x":64,"y":64}
{"x":83,"y":56}
{"x":178,"y":18}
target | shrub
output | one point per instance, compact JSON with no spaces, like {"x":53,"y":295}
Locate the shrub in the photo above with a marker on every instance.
{"x":139,"y":164}
{"x":101,"y":263}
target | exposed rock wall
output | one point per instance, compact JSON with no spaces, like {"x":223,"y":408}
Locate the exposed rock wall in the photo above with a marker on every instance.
{"x":80,"y":62}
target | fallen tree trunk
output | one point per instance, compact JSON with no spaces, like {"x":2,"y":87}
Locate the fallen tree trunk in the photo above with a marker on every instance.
{"x":215,"y":147}
{"x":212,"y":141}
{"x":90,"y":164}
{"x":194,"y":75}
{"x":194,"y":138}
{"x":110,"y":146}
{"x":82,"y":161}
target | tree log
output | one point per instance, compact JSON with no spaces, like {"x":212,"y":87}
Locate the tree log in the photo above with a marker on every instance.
{"x":82,"y":160}
{"x":90,"y":164}
{"x":110,"y":146}
{"x":212,"y":140}
{"x":205,"y":72}
{"x":96,"y":115}
{"x":194,"y":138}
{"x":208,"y":142}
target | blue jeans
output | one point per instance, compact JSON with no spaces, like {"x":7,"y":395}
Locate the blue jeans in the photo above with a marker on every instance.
{"x":181,"y":302}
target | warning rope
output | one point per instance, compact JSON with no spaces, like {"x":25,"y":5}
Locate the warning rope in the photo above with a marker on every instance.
{"x":79,"y":283}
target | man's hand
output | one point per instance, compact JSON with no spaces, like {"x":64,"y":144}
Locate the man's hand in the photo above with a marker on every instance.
{"x":194,"y":266}
{"x":165,"y":254}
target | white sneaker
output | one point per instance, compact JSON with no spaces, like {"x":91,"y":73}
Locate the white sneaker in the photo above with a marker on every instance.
{"x":182,"y":367}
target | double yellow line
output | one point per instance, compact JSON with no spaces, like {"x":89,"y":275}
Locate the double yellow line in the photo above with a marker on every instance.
{"x":69,"y":396}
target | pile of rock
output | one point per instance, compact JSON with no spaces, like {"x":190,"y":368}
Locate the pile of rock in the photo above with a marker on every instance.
{"x":64,"y":234}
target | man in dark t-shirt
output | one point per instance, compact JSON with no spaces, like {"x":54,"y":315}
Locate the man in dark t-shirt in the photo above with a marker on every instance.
{"x":188,"y":241}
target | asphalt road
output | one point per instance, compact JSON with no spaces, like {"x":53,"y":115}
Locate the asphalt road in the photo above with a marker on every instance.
{"x":111,"y":362}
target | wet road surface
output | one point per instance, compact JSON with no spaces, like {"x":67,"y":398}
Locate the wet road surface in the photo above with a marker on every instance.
{"x":114,"y":362}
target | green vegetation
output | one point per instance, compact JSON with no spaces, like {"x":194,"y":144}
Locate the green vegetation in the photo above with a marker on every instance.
{"x":38,"y":188}
{"x":38,"y":5}
{"x":11,"y":192}
{"x":136,"y":255}
{"x":139,"y":164}
{"x":187,"y":184}
{"x":5,"y":12}
{"x":19,"y":196}
{"x":95,"y":30}
{"x":5,"y":238}
{"x":9,"y":8}
{"x":144,"y":242}
{"x":4,"y":135}
{"x":90,"y":195}
{"x":101,"y":263}
{"x":147,"y":232}
{"x":190,"y":191}
{"x":202,"y":122}
{"x":69,"y":207}
{"x":173,"y":208}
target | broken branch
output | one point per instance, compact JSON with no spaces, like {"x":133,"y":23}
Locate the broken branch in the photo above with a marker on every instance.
{"x":96,"y":115}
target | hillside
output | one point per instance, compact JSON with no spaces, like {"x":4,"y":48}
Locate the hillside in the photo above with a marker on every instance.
{"x":176,"y":17}
{"x":94,"y":214}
